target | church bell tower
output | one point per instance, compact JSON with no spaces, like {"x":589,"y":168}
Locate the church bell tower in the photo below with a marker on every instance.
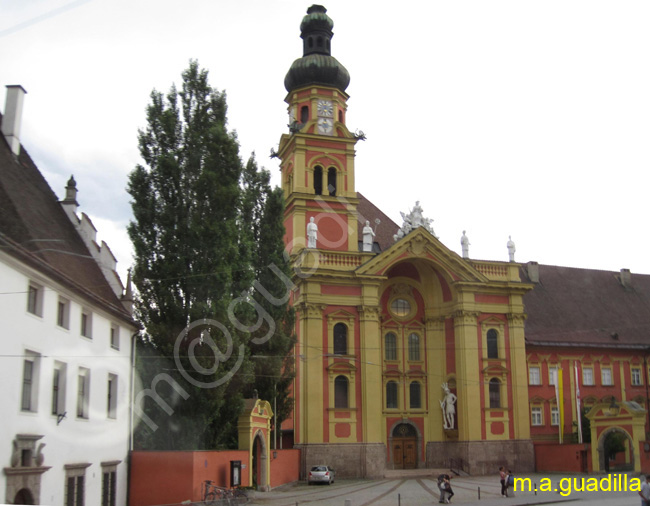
{"x":317,"y":155}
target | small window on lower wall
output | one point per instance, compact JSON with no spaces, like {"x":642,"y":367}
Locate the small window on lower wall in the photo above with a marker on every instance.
{"x":555,"y":416}
{"x":109,"y":483}
{"x":75,"y":489}
{"x":536,"y":417}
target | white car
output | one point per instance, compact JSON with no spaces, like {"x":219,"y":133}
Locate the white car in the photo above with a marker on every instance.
{"x":321,"y":474}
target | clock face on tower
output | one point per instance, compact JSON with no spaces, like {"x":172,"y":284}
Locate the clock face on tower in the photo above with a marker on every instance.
{"x":325,"y":126}
{"x":325,"y":108}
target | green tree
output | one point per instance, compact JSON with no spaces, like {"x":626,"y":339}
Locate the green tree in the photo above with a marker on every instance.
{"x":195,"y":225}
{"x":272,"y":343}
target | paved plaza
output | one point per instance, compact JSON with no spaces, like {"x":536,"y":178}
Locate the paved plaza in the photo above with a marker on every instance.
{"x":420,"y":489}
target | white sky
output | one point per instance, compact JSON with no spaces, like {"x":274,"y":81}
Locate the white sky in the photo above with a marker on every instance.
{"x":522,"y":118}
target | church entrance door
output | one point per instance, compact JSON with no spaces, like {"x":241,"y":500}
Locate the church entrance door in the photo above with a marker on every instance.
{"x":404,"y":447}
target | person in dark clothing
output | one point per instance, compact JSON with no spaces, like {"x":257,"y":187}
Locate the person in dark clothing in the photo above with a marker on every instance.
{"x":446,"y":492}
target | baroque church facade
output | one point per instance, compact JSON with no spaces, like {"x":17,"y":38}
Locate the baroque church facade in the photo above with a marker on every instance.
{"x":385,"y":336}
{"x":410,"y":355}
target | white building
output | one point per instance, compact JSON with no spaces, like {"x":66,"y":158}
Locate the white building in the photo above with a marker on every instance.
{"x":65,"y":343}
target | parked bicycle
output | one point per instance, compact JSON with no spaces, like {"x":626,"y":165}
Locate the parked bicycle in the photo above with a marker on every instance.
{"x":214,"y":495}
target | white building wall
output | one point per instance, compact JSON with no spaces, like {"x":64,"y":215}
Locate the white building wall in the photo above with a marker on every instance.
{"x":73,"y":440}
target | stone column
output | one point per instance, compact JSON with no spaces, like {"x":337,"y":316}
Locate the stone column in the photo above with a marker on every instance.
{"x":437,"y":373}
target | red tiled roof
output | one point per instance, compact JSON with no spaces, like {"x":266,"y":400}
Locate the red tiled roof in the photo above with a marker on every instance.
{"x":585,"y":307}
{"x":35,"y":228}
{"x":384,"y":231}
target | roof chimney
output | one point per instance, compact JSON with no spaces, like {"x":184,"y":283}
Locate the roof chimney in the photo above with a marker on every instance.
{"x":626,"y":278}
{"x":533,"y":272}
{"x":12,"y":117}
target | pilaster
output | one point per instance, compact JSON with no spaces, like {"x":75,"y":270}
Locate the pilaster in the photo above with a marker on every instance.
{"x":469,"y":381}
{"x":518,"y":376}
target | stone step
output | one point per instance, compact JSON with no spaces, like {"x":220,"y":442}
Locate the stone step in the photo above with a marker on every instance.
{"x":415,"y":473}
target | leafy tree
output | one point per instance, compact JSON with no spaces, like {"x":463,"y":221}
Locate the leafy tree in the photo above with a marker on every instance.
{"x":197,"y":216}
{"x":273,"y":341}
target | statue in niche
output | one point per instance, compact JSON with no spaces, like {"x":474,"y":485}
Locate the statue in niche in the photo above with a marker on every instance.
{"x":368,"y":237}
{"x":312,"y":233}
{"x":464,"y":243}
{"x":448,"y":409}
{"x":511,"y":249}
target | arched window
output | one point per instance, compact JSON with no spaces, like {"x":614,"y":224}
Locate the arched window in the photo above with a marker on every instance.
{"x":331,"y":181}
{"x":495,"y":393}
{"x":391,"y":346}
{"x":414,"y":347}
{"x":391,"y":395}
{"x":304,"y":114}
{"x":340,"y":392}
{"x":340,"y":339}
{"x":318,"y":180}
{"x":319,"y":41}
{"x":492,"y":344}
{"x":340,"y":116}
{"x":310,"y":42}
{"x":415,"y":401}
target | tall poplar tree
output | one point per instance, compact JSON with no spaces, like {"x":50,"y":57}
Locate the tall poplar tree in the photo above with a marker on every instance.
{"x":209,"y":263}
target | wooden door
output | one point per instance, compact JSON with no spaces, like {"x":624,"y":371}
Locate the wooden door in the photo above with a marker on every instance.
{"x":398,"y":455}
{"x":405,"y":455}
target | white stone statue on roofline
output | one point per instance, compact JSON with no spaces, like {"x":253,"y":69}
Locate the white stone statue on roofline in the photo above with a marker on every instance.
{"x":448,"y":408}
{"x":368,"y":237}
{"x":312,"y":233}
{"x":464,"y":242}
{"x":413,"y":220}
{"x":511,"y":249}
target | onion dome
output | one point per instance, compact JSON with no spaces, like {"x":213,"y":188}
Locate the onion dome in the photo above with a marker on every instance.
{"x":317,"y":65}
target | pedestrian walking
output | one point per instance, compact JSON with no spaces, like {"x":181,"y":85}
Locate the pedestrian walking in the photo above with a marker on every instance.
{"x":510,"y":484}
{"x":446,"y":492}
{"x":502,"y":478}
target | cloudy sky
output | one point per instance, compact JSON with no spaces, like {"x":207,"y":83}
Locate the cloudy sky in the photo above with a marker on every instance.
{"x":522,"y":118}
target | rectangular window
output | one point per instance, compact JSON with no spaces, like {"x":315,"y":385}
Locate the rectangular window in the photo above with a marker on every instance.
{"x":587,"y":376}
{"x":391,"y":395}
{"x":28,"y":384}
{"x":63,"y":313}
{"x":552,"y":375}
{"x":35,"y":299}
{"x":606,"y":376}
{"x":555,"y":416}
{"x":109,"y":476}
{"x":29,"y":392}
{"x":536,"y":416}
{"x":115,"y":337}
{"x":112,"y":396}
{"x":636,"y":376}
{"x":58,"y":388}
{"x":75,"y":494}
{"x":83,"y":392}
{"x":86,"y":323}
{"x":533,"y":375}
